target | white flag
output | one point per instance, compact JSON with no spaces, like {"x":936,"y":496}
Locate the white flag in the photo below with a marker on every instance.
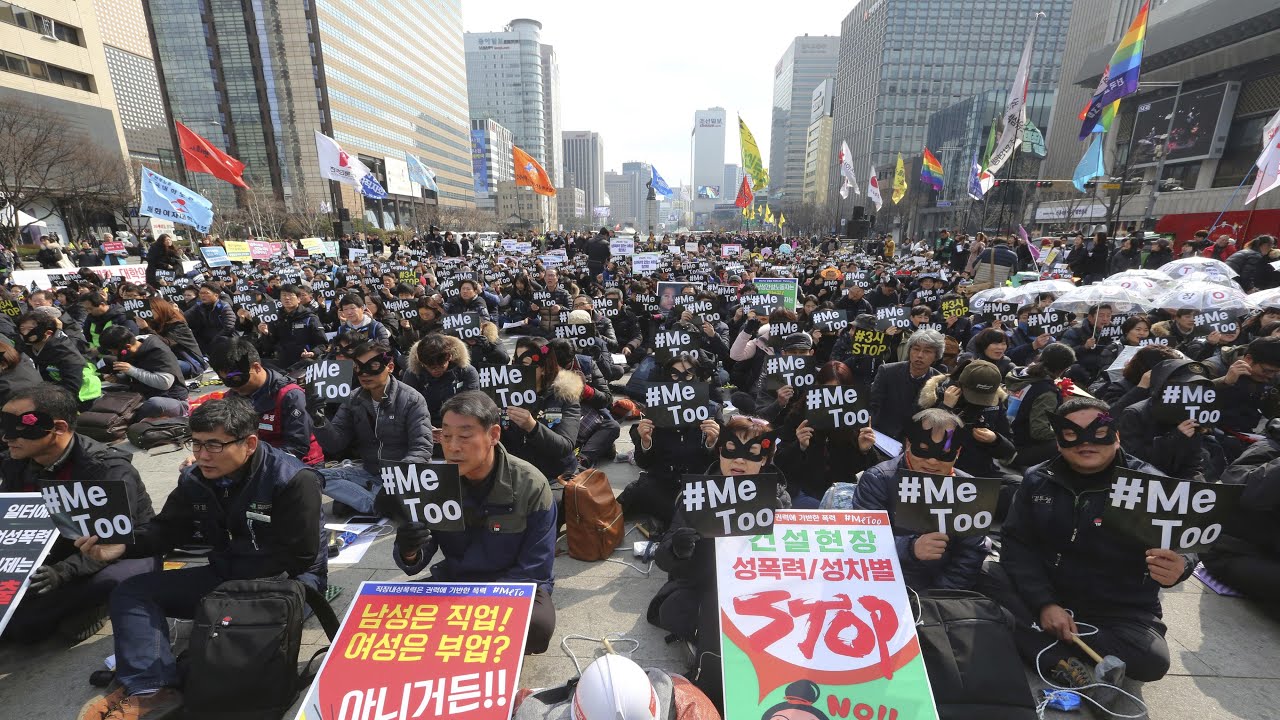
{"x":1268,"y":162}
{"x":1015,"y":112}
{"x":846,"y":171}
{"x":873,"y":189}
{"x":336,"y":164}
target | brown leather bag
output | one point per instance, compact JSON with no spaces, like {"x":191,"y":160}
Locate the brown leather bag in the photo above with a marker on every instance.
{"x":593,"y":517}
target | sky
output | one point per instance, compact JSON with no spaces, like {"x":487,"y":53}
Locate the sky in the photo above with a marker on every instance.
{"x":635,"y":72}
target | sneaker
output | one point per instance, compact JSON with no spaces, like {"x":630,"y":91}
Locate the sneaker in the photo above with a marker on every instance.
{"x":97,"y":708}
{"x":1072,"y":673}
{"x":155,"y":706}
{"x":81,"y":626}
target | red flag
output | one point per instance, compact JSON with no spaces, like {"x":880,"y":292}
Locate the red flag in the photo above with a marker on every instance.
{"x":744,"y":194}
{"x":201,"y":156}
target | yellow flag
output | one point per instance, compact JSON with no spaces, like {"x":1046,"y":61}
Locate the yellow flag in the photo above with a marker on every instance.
{"x":899,"y":181}
{"x":768,"y":214}
{"x":530,"y":173}
{"x":752,"y":165}
{"x":782,"y":219}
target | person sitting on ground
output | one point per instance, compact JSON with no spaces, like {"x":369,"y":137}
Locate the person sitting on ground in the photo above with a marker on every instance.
{"x":170,"y":325}
{"x":1246,"y":557}
{"x":356,"y":322}
{"x":16,"y":372}
{"x":1035,"y":390}
{"x":232,"y":470}
{"x":210,"y":319}
{"x":285,"y":422}
{"x":930,"y":561}
{"x":56,"y":357}
{"x":1060,"y":568}
{"x":68,"y":593}
{"x":546,"y":433}
{"x":439,"y":368}
{"x":1177,"y":449}
{"x":895,"y":392}
{"x":510,"y":517}
{"x":297,"y":335}
{"x":145,"y":365}
{"x":384,"y":421}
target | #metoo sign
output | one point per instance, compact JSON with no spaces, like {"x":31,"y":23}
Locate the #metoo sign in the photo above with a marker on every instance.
{"x":1160,"y":512}
{"x":428,"y":493}
{"x":509,"y":385}
{"x":723,"y":506}
{"x":80,"y":508}
{"x":831,"y":407}
{"x":330,"y":379}
{"x":956,"y":507}
{"x":677,"y":404}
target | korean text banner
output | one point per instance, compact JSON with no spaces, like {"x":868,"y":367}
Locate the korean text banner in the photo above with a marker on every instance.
{"x":787,"y":288}
{"x":819,"y":601}
{"x":425,"y":650}
{"x":25,"y":520}
{"x":165,"y":199}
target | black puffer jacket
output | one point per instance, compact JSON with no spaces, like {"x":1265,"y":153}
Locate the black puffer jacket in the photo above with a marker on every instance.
{"x":460,"y":376}
{"x":550,"y":445}
{"x":1253,"y":525}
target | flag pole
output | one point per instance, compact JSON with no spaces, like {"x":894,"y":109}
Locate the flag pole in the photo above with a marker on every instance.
{"x":1231,"y":199}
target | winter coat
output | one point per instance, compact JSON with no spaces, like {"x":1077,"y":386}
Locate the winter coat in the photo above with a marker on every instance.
{"x":94,"y":325}
{"x":550,"y":445}
{"x":1252,"y":527}
{"x":20,"y":376}
{"x":1254,"y":270}
{"x":1037,"y":399}
{"x":292,"y":334}
{"x":960,"y":564}
{"x":1057,"y":550}
{"x":177,"y":335}
{"x":151,"y":363}
{"x":894,"y":397}
{"x":977,"y":459}
{"x":459,"y":376}
{"x":397,"y":429}
{"x":59,"y":362}
{"x":1160,"y":444}
{"x":510,"y":533}
{"x":457,"y":306}
{"x":211,"y":323}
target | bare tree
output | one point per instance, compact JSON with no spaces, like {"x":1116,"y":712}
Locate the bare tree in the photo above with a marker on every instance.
{"x":99,"y":186}
{"x":39,"y":154}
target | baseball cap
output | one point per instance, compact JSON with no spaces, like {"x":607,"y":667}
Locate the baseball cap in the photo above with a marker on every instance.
{"x":980,"y":382}
{"x":797,"y":341}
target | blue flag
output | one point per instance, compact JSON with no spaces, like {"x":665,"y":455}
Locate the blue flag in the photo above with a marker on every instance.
{"x":167,"y":200}
{"x":370,"y":188}
{"x":420,"y":173}
{"x":975,"y":182}
{"x":1091,"y":165}
{"x":660,"y":185}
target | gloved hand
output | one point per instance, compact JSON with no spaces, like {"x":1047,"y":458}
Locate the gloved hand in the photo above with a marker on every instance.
{"x":683,"y":541}
{"x":411,"y":538}
{"x":46,"y":579}
{"x":751,"y":327}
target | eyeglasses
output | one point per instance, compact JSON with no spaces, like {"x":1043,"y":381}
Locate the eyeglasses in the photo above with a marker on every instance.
{"x":213,"y":447}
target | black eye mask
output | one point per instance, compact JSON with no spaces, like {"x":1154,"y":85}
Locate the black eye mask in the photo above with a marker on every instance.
{"x":28,"y":426}
{"x":755,"y":450}
{"x":534,"y":356}
{"x":1086,"y":435}
{"x":921,"y":444}
{"x":374,"y":365}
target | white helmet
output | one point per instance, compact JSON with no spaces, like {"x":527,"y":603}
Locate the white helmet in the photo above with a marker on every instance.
{"x":615,"y":688}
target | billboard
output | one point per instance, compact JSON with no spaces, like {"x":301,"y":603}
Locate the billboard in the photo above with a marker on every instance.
{"x":480,"y":161}
{"x":398,"y":176}
{"x":709,"y":192}
{"x":1194,"y":125}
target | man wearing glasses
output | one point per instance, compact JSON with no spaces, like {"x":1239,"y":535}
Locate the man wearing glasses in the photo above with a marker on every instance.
{"x":384,"y":421}
{"x":258,"y":507}
{"x":69,"y":592}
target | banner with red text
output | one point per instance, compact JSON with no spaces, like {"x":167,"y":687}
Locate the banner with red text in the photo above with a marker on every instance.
{"x":815,"y":617}
{"x":425,"y":650}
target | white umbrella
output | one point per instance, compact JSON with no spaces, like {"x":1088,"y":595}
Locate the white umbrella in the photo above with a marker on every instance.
{"x":1214,"y":277}
{"x":1266,"y":298}
{"x":982,"y":297}
{"x":1025,"y":293}
{"x":1179,"y":268}
{"x":1152,"y":276}
{"x":1200,"y":296}
{"x":1121,"y":300}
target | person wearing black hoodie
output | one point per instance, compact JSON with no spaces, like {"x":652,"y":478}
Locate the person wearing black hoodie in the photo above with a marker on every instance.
{"x":1181,"y":448}
{"x":296,"y":335}
{"x":56,"y":357}
{"x":147,"y":366}
{"x":1158,"y":256}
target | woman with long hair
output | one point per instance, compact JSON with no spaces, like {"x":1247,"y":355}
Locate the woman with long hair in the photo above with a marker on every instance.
{"x":813,"y":459}
{"x":163,"y":255}
{"x":546,"y":433}
{"x":168,"y":322}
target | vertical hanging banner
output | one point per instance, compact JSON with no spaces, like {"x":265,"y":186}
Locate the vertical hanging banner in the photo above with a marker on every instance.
{"x":163,"y":198}
{"x":819,"y":603}
{"x":425,"y":650}
{"x":26,"y":536}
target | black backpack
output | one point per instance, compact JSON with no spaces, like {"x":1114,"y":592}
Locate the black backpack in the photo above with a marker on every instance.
{"x":152,"y":433}
{"x":242,"y":663}
{"x":966,"y":640}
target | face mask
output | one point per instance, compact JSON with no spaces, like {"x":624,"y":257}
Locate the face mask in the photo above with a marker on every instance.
{"x":235,"y":377}
{"x":28,"y":426}
{"x":374,"y":366}
{"x":682,"y":376}
{"x":1102,"y":431}
{"x":756,"y":450}
{"x":32,"y":338}
{"x":921,"y":444}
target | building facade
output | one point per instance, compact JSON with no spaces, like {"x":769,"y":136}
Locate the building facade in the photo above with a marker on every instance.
{"x":900,"y":62}
{"x":271,"y":75}
{"x":623,"y":190}
{"x":732,"y":181}
{"x":584,"y":157}
{"x":520,"y":208}
{"x":137,"y":88}
{"x":708,"y":158}
{"x":817,"y":148}
{"x":492,"y":161}
{"x":571,"y":210}
{"x":807,"y":62}
{"x":641,"y":173}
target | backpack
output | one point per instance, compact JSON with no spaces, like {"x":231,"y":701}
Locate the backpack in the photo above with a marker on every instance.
{"x":243,"y":656}
{"x":108,"y":419}
{"x":592,"y":516}
{"x":155,"y":432}
{"x":966,"y":640}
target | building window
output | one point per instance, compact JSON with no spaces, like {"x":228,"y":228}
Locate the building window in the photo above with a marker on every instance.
{"x":41,"y":71}
{"x":24,"y":18}
{"x":1241,"y":152}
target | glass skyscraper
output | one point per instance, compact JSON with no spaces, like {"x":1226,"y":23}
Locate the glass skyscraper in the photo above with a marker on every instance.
{"x":807,"y":63}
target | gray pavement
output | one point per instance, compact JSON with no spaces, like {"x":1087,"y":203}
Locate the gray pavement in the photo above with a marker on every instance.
{"x":1226,"y":652}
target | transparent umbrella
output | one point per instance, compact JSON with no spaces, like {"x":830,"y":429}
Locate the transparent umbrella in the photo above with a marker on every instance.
{"x":982,"y":297}
{"x":1209,"y":276}
{"x":1266,"y":299}
{"x":1134,"y":279}
{"x":1028,"y":292}
{"x":1121,"y":300}
{"x":1200,"y":295}
{"x":1180,"y":268}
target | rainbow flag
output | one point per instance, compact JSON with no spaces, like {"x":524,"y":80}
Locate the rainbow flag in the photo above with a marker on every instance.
{"x":931,"y":171}
{"x":1120,"y":79}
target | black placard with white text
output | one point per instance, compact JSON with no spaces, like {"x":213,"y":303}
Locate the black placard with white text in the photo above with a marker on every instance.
{"x":833,"y":407}
{"x":331,"y":380}
{"x":725,"y":505}
{"x":428,"y":493}
{"x":80,"y":508}
{"x":1161,"y":512}
{"x":26,"y":536}
{"x":509,"y":385}
{"x":958,"y":507}
{"x":677,"y":404}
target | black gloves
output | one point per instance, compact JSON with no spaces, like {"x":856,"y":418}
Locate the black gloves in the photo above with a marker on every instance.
{"x":683,"y":541}
{"x":751,"y":327}
{"x":411,"y":538}
{"x":46,"y":579}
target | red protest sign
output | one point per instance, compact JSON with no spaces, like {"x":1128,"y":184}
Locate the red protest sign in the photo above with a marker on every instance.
{"x":425,"y":650}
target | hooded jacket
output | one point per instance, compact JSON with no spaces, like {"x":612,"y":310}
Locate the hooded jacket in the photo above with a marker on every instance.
{"x":1252,"y":528}
{"x":1057,"y":550}
{"x":211,"y":323}
{"x":1161,"y":444}
{"x":487,"y":350}
{"x":459,"y":376}
{"x":398,"y":429}
{"x":292,"y":333}
{"x":550,"y":445}
{"x":94,"y":325}
{"x":977,"y":459}
{"x":1037,"y":397}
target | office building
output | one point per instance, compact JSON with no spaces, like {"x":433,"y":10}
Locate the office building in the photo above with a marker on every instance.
{"x":901,"y":62}
{"x":807,"y":62}
{"x":520,"y":208}
{"x":1211,"y":76}
{"x":729,"y":186}
{"x":123,"y":25}
{"x":268,"y":76}
{"x":624,"y":189}
{"x":817,"y":149}
{"x":584,"y":157}
{"x":642,"y":173}
{"x":708,"y":158}
{"x":513,"y":78}
{"x":52,"y":55}
{"x":491,"y":160}
{"x":571,"y":210}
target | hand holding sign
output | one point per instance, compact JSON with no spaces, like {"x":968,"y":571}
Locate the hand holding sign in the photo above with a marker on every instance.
{"x":425,"y":493}
{"x":725,"y":506}
{"x":1159,"y":512}
{"x":831,"y":407}
{"x":80,"y":508}
{"x":677,"y":404}
{"x":957,"y":507}
{"x":330,"y":379}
